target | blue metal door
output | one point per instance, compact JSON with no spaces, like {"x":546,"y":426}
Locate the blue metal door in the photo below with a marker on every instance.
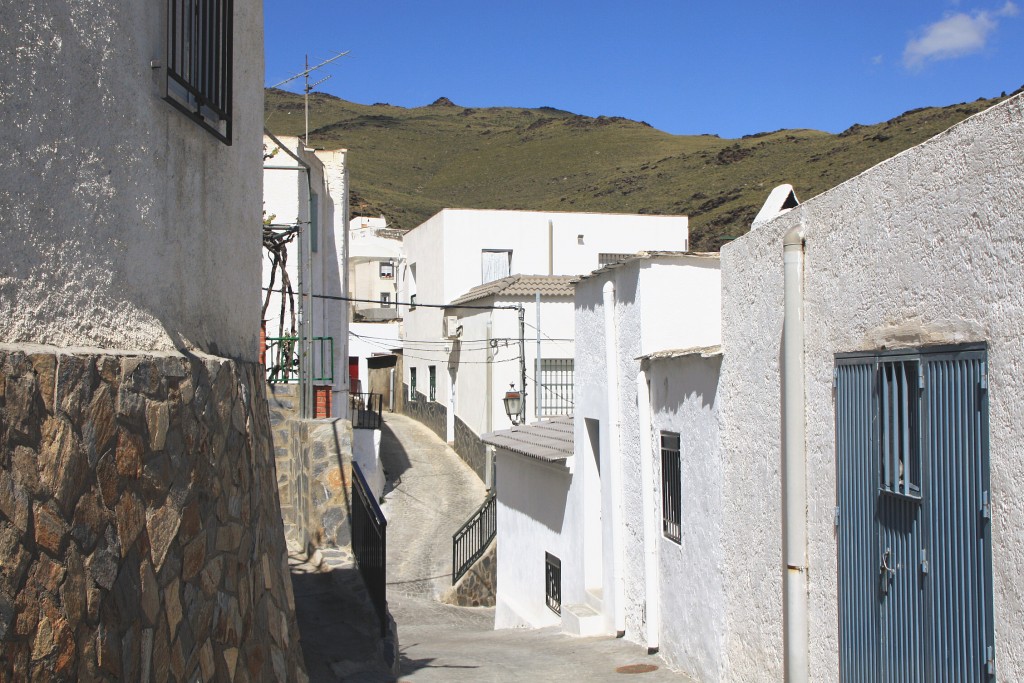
{"x":914,"y":554}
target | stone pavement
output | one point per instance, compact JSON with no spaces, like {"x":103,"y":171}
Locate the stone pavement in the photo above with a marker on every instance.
{"x":430,"y":494}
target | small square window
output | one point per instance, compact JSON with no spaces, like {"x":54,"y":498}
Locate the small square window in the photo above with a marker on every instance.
{"x":387,"y":270}
{"x":412,"y":302}
{"x":385,"y":299}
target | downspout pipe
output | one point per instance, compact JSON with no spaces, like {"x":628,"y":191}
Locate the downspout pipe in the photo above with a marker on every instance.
{"x":652,"y":530}
{"x":615,"y":456}
{"x":794,"y":463}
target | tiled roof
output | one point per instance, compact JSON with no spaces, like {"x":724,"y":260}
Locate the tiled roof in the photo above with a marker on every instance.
{"x":646,"y":256}
{"x":548,"y":440}
{"x":702,"y":351}
{"x":520,"y":285}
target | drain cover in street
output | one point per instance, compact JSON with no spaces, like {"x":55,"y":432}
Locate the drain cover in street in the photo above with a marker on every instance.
{"x":636,"y":669}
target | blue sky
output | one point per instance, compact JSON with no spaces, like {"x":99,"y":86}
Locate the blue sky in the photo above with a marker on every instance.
{"x":686,"y":67}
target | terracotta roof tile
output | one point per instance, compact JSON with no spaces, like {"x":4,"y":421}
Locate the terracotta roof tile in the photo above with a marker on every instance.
{"x":519,"y":286}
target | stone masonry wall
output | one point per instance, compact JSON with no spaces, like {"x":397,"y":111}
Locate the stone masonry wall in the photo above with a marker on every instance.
{"x":139,"y":522}
{"x":478,"y":587}
{"x":314,"y":473}
{"x":471,"y":449}
{"x":431,"y":413}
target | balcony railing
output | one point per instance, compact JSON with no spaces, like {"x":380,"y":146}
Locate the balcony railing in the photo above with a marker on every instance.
{"x":366,"y":410}
{"x":370,"y":544}
{"x":283,"y":360}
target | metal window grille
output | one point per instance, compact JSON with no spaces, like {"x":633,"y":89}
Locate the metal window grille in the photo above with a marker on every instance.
{"x":899,"y":422}
{"x":671,"y":487}
{"x":556,"y":390}
{"x":199,"y":62}
{"x":553,"y":583}
{"x":412,"y":384}
{"x":433,"y":381}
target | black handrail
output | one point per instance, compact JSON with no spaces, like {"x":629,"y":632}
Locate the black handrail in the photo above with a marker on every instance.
{"x":366,"y":410}
{"x":473,"y":537}
{"x":369,"y":544}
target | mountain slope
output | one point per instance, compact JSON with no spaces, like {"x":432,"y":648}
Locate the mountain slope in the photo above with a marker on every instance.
{"x":409,"y":163}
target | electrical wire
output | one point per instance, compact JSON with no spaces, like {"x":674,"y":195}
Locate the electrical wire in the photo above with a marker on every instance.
{"x":461,"y":362}
{"x":417,"y":304}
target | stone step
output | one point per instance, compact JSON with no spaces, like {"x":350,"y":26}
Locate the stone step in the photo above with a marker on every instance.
{"x":582,"y":620}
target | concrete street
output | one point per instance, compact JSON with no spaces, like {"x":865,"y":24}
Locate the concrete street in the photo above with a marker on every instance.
{"x":430,"y":493}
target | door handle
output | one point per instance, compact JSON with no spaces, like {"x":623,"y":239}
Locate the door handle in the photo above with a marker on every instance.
{"x":886,"y":572}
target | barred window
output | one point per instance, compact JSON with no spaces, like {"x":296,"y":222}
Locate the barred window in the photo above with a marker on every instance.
{"x":432,"y":370}
{"x":671,"y":487}
{"x":556,"y":387}
{"x":199,"y":62}
{"x":412,"y":384}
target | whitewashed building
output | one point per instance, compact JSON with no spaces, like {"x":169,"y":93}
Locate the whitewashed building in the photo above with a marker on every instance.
{"x":903,"y":282}
{"x":594,"y":518}
{"x":305,"y":208}
{"x":376,"y":264}
{"x":458,"y":250}
{"x":484,"y":360}
{"x":656,"y":302}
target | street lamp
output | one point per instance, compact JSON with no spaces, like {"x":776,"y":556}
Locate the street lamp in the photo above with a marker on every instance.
{"x":513,"y":403}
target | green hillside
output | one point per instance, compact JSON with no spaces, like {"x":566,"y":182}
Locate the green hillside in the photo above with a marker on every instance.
{"x":407,"y":164}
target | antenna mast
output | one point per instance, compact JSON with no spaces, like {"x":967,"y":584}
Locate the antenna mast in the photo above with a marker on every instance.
{"x":308,"y":87}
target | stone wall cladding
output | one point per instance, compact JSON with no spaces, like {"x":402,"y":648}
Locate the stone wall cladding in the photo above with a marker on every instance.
{"x":430,"y":413}
{"x":314,"y":473}
{"x":139,"y":522}
{"x":471,"y":449}
{"x":478,"y":586}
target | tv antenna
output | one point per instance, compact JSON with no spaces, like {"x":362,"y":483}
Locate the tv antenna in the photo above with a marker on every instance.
{"x":308,"y":87}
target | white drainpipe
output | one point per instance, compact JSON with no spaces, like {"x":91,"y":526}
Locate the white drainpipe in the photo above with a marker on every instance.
{"x":652,"y":530}
{"x":614,"y":455}
{"x":794,"y":463}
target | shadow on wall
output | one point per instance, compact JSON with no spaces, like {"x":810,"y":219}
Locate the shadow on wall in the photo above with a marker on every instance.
{"x":687,"y":376}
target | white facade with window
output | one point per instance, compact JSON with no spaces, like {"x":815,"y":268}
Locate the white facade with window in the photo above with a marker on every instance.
{"x":310,"y":213}
{"x":459,"y":249}
{"x":619,"y":556}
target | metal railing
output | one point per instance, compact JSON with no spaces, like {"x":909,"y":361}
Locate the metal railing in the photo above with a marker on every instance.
{"x":369,"y":544}
{"x":473,"y":537}
{"x":283,"y":360}
{"x":366,"y":410}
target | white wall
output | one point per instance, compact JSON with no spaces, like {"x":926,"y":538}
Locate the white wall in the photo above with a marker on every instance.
{"x":125,"y":224}
{"x":286,"y":202}
{"x":670,"y":301}
{"x":366,"y":452}
{"x":684,"y":400}
{"x":481,"y":411}
{"x":446,"y":250}
{"x":531,"y":509}
{"x":368,"y":339}
{"x":924,"y":248}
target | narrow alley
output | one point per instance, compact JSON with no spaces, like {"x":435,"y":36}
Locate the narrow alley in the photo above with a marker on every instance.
{"x":430,"y":494}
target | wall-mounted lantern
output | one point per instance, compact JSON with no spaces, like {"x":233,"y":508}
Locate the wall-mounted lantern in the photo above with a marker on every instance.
{"x":513,"y":404}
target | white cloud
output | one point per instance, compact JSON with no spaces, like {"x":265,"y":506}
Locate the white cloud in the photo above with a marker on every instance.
{"x":955,"y":36}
